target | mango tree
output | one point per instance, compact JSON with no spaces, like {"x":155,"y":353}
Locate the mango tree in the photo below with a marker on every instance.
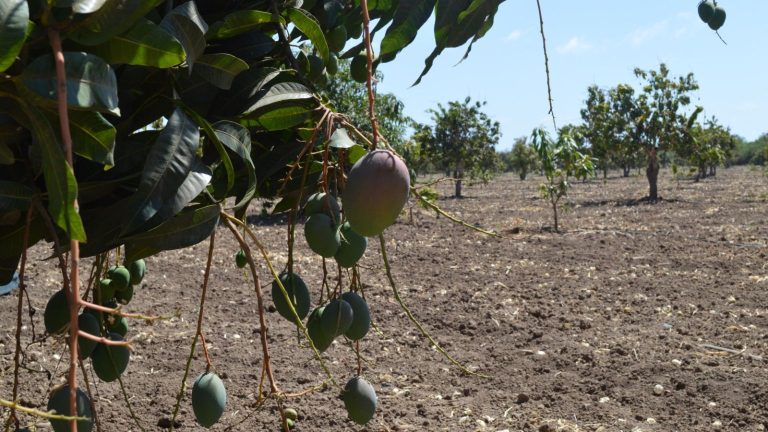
{"x":131,"y":127}
{"x":560,"y":160}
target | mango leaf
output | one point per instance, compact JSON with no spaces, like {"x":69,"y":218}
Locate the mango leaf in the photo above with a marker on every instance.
{"x":145,"y":44}
{"x":14,"y":195}
{"x":167,"y":166}
{"x":114,"y":18}
{"x":14,"y":15}
{"x":8,"y":268}
{"x":408,"y":19}
{"x":355,"y":153}
{"x":308,"y":25}
{"x":197,"y":180}
{"x":240,"y":22}
{"x":251,"y":46}
{"x":220,"y":69}
{"x":278,"y":118}
{"x":280,"y":93}
{"x":93,"y":137}
{"x":188,"y":228}
{"x":87,"y":6}
{"x":245,"y":88}
{"x":91,"y":82}
{"x":480,"y":17}
{"x":12,"y":233}
{"x":340,"y":139}
{"x":60,"y":181}
{"x":188,"y":27}
{"x":237,"y":139}
{"x":211,"y":134}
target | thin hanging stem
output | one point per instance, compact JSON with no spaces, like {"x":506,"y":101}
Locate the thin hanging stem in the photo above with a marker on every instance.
{"x":74,"y":279}
{"x":546,"y":64}
{"x":369,"y":80}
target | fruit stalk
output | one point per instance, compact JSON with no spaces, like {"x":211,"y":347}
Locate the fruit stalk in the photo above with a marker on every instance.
{"x":369,"y":81}
{"x":74,"y":278}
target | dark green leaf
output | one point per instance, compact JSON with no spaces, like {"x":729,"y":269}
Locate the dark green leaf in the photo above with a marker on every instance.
{"x":240,"y":22}
{"x":197,"y":180}
{"x":308,"y":25}
{"x":91,"y":82}
{"x":12,"y":227}
{"x":145,"y":44}
{"x":282,"y":93}
{"x":355,"y":153}
{"x":188,"y":27}
{"x":8,"y":268}
{"x":167,"y":165}
{"x":114,"y":18}
{"x":186,"y":229}
{"x":14,"y":15}
{"x":245,"y":88}
{"x":60,"y":181}
{"x":340,"y":139}
{"x":6,"y":154}
{"x":213,"y":136}
{"x":87,"y":6}
{"x":15,"y":195}
{"x":93,"y":137}
{"x":238,"y":140}
{"x":408,"y":19}
{"x":220,"y":69}
{"x":278,"y":118}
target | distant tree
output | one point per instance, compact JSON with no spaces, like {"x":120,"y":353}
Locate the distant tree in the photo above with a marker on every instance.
{"x":712,"y":145}
{"x":560,"y":161}
{"x":660,"y":122}
{"x":461,"y":141}
{"x":522,"y":159}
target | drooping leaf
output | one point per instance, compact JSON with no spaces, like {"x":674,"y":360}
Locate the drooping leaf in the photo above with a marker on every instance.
{"x":91,"y":82}
{"x":284,"y":92}
{"x":308,"y":25}
{"x":197,"y":180}
{"x":166,"y":168}
{"x":114,"y":18}
{"x":145,"y":44}
{"x":14,"y":195}
{"x":186,"y":24}
{"x":237,"y":139}
{"x":87,"y":6}
{"x":220,"y":69}
{"x":245,"y":88}
{"x":186,"y":229}
{"x":210,"y":133}
{"x":60,"y":181}
{"x":240,"y":22}
{"x":408,"y":19}
{"x":14,"y":15}
{"x":340,"y":139}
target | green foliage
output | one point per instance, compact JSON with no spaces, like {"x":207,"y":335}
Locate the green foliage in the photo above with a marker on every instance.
{"x":711,"y":146}
{"x":560,"y":161}
{"x":462,"y":140}
{"x":522,"y":159}
{"x":755,"y":152}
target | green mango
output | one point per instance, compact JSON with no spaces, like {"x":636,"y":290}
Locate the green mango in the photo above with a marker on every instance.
{"x":209,"y":398}
{"x":361,"y":316}
{"x":360,"y":400}
{"x":358,"y":68}
{"x":88,"y":323}
{"x":321,"y":235}
{"x":241,"y":259}
{"x":315,"y":330}
{"x":121,"y":277}
{"x":706,"y":9}
{"x":106,"y":290}
{"x":352,"y":247}
{"x":333,"y":65}
{"x":718,"y":18}
{"x":109,"y":362}
{"x":59,"y":402}
{"x":56,"y":315}
{"x":297,"y":291}
{"x":125,"y":296}
{"x":137,"y":269}
{"x":118,"y":325}
{"x":336,"y":318}
{"x":316,"y":67}
{"x":320,"y":202}
{"x":291,"y":414}
{"x":337,"y":38}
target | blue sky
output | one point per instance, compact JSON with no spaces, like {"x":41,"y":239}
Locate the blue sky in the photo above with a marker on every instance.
{"x":593,"y":42}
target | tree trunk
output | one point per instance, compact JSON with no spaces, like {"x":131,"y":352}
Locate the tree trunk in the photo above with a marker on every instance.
{"x":652,"y":173}
{"x":554,"y":211}
{"x":713,"y":170}
{"x":458,"y":174}
{"x":627,"y":170}
{"x":605,"y":171}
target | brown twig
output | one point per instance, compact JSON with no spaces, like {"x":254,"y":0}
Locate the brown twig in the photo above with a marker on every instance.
{"x":546,"y":64}
{"x":74,"y":286}
{"x":369,"y":80}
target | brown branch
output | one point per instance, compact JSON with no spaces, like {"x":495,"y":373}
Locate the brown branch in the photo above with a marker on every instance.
{"x":369,"y":81}
{"x":74,"y":286}
{"x":200,"y":313}
{"x":546,"y":64}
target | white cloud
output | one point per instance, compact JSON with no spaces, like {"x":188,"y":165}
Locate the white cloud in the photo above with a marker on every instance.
{"x":645,"y":34}
{"x":515,"y":35}
{"x":574,"y":45}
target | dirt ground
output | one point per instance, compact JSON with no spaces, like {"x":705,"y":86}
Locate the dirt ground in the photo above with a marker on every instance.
{"x":637,"y":317}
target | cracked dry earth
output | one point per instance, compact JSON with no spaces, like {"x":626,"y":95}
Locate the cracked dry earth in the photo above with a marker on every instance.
{"x":637,"y":317}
